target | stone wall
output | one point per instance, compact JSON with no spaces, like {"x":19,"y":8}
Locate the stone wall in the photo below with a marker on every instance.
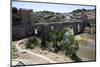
{"x":26,"y":24}
{"x":46,"y":27}
{"x":18,"y":32}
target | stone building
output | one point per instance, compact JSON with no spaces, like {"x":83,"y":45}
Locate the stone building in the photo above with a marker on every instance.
{"x":24,"y":26}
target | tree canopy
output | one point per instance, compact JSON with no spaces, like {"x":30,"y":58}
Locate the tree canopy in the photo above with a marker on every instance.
{"x":14,"y":10}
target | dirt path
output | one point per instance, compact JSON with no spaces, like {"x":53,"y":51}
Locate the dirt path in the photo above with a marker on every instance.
{"x":34,"y":54}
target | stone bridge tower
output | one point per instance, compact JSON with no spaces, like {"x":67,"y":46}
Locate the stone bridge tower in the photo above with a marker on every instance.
{"x":27,"y":20}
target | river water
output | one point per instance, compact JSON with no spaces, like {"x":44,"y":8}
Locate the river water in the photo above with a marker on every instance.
{"x":87,"y":50}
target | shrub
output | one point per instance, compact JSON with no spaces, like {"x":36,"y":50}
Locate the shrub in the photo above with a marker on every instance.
{"x":70,"y":45}
{"x":31,"y":43}
{"x":14,"y":52}
{"x":54,"y":43}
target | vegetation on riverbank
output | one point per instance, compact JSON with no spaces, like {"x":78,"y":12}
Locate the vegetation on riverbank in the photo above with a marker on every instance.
{"x":55,"y":42}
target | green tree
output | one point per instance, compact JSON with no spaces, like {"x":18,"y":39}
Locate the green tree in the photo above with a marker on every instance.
{"x":70,"y":45}
{"x":56,"y":36}
{"x":14,"y":10}
{"x":31,"y":43}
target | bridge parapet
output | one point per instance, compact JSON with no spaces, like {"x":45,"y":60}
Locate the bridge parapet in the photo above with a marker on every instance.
{"x":75,"y":24}
{"x":57,"y":25}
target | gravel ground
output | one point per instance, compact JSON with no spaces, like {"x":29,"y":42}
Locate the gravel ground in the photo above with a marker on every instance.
{"x":58,"y":57}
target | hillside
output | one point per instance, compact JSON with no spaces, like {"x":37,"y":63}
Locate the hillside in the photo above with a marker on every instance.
{"x":49,"y":16}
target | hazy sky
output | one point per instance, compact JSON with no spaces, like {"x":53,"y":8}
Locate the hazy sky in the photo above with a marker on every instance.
{"x":49,"y":7}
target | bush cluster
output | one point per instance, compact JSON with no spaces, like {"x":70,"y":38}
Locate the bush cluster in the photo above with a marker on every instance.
{"x":58,"y":40}
{"x":32,"y":42}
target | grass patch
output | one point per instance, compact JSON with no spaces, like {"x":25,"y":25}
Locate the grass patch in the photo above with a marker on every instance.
{"x":14,"y":52}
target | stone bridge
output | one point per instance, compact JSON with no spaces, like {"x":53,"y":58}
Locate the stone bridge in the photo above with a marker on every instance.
{"x":21,"y":31}
{"x":45,"y":27}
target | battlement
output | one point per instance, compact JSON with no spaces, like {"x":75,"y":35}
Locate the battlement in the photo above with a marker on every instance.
{"x":26,"y":22}
{"x":27,"y":11}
